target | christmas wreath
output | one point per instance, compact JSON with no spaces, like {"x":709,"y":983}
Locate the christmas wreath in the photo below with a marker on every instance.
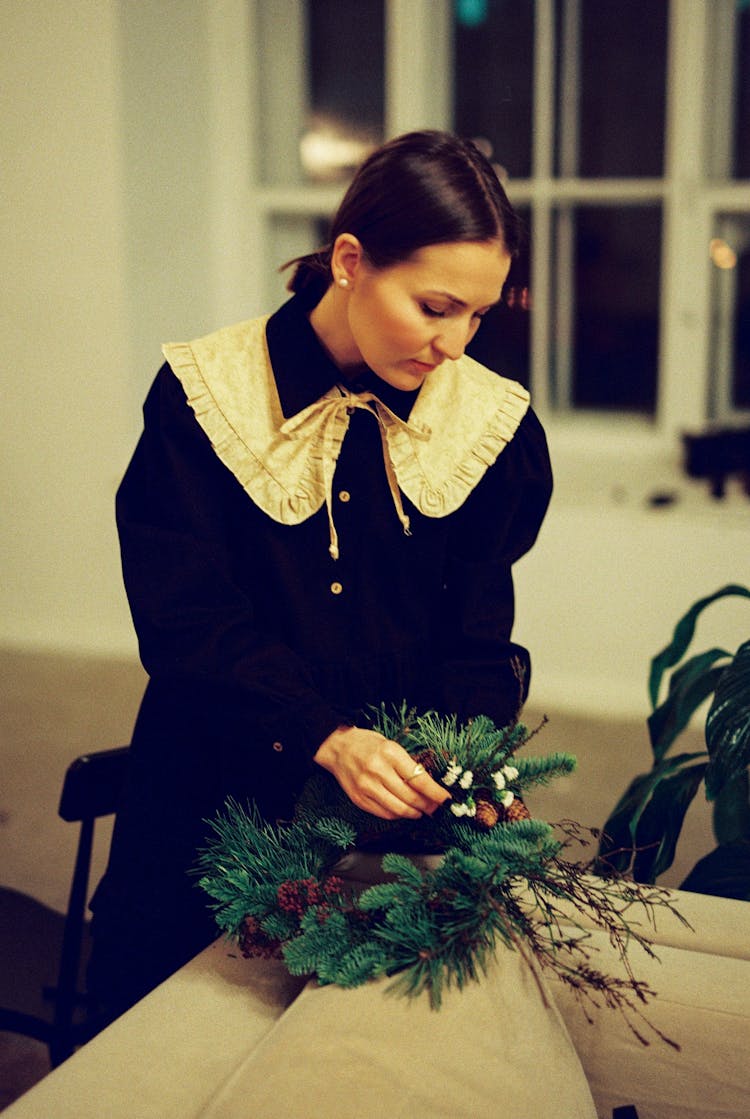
{"x":501,"y":878}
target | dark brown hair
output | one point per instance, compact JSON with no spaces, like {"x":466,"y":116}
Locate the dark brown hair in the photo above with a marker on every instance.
{"x":422,"y":188}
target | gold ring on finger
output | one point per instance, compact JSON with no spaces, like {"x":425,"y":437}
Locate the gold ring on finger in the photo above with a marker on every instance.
{"x":418,"y":768}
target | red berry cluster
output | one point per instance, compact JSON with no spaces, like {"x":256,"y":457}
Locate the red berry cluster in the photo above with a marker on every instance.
{"x":298,"y":895}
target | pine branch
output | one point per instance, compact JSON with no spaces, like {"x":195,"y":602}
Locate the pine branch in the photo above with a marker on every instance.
{"x":540,"y":771}
{"x":502,"y":880}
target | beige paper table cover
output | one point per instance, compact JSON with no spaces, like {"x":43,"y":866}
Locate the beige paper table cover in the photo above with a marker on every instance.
{"x":166,"y":1057}
{"x":703,"y":1003}
{"x":493,"y":1048}
{"x":181,"y":1053}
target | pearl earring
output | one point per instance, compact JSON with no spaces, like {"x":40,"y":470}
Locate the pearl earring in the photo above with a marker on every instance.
{"x":343,"y":282}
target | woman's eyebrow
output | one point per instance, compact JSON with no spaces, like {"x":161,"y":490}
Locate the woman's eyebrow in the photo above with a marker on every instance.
{"x":455,"y":299}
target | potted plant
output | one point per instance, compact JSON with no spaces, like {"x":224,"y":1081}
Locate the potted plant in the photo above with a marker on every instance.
{"x":641,"y":834}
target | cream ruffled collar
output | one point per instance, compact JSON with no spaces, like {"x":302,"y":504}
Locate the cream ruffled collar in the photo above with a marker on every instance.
{"x":463,"y":417}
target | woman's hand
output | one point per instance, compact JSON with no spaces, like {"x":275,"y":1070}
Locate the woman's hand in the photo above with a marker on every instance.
{"x":376,"y":774}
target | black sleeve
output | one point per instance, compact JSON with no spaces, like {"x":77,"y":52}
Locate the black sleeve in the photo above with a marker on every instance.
{"x":484,"y":672}
{"x":192,"y":619}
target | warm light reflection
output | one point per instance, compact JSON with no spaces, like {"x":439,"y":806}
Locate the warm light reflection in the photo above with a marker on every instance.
{"x":485,"y":147}
{"x":330,"y":149}
{"x":518,"y":298}
{"x":722,"y":254}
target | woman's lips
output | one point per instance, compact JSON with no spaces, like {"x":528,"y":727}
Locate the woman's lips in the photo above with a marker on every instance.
{"x":421,"y":366}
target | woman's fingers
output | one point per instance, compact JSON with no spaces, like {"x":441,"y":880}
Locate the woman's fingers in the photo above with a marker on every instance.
{"x":398,"y":784}
{"x":379,"y":775}
{"x":420,"y":792}
{"x":387,"y":806}
{"x":427,"y":790}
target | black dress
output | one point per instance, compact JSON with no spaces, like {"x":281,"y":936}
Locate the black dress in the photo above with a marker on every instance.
{"x":258,"y":643}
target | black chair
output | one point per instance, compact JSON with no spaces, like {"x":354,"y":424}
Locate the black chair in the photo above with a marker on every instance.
{"x":43,"y":953}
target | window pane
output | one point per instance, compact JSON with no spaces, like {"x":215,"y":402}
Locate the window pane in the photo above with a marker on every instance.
{"x":615,"y":308}
{"x":346,"y":43}
{"x":503,"y":340}
{"x":320,"y":84}
{"x":730,"y":320}
{"x":623,"y":52}
{"x":493,"y":91}
{"x":742,"y":104}
{"x":741,"y":363}
{"x":288,"y":236}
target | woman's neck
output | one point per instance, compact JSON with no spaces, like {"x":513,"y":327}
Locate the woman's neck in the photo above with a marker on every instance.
{"x":329,"y":321}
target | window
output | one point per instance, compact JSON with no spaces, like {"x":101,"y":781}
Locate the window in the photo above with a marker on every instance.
{"x":601,"y":134}
{"x":730,"y":314}
{"x":610,"y":311}
{"x":320,"y":87}
{"x":346,"y":86}
{"x":623,"y":127}
{"x":612,"y":64}
{"x":493,"y":86}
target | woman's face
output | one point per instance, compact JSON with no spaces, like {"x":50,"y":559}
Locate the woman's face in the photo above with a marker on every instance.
{"x":403,"y":321}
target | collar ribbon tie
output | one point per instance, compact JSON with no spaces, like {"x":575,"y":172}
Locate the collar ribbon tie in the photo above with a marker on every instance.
{"x":326,"y":422}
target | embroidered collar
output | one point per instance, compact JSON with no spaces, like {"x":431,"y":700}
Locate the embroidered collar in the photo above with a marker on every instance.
{"x":303,"y":371}
{"x":462,"y":418}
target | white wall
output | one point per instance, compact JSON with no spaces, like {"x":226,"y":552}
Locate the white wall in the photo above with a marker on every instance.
{"x":109,"y":210}
{"x":104,"y":252}
{"x":66,"y":346}
{"x":609,"y":577}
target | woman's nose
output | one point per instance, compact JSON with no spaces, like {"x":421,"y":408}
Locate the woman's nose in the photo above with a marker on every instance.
{"x":452,"y":340}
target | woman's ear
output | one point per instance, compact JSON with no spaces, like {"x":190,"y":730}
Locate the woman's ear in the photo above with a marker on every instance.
{"x":347,"y":257}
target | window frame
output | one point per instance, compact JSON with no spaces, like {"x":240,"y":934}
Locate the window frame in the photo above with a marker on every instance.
{"x":263,"y":223}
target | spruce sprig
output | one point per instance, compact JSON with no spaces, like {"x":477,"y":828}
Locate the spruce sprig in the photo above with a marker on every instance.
{"x":502,"y":878}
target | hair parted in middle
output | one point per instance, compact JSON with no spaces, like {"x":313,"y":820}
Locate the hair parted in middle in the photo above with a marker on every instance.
{"x":419,"y":189}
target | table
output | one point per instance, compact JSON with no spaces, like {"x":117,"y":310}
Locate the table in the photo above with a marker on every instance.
{"x":224,"y":1032}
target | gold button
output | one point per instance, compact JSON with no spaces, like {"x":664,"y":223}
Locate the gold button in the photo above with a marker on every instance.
{"x":345,"y":496}
{"x":336,"y":588}
{"x":277,"y":746}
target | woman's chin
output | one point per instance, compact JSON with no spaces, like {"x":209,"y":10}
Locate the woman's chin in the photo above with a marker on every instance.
{"x":408,"y":376}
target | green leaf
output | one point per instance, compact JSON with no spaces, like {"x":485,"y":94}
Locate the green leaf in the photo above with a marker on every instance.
{"x":661,"y":822}
{"x":728,"y":724}
{"x":693,"y":683}
{"x":724,"y":873}
{"x":731,"y":816}
{"x":682,"y":636}
{"x":619,"y":835}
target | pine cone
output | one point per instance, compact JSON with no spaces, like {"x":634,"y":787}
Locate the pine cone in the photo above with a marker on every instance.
{"x":488,"y":814}
{"x":253,"y":941}
{"x":517,"y":810}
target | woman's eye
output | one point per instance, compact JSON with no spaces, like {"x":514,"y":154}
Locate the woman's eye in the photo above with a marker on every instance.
{"x":433,"y":312}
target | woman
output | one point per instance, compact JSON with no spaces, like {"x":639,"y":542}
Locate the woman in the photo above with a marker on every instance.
{"x":322,"y":514}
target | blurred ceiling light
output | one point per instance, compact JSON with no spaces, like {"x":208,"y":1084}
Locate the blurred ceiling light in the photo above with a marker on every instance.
{"x":330,"y":151}
{"x":722,"y":254}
